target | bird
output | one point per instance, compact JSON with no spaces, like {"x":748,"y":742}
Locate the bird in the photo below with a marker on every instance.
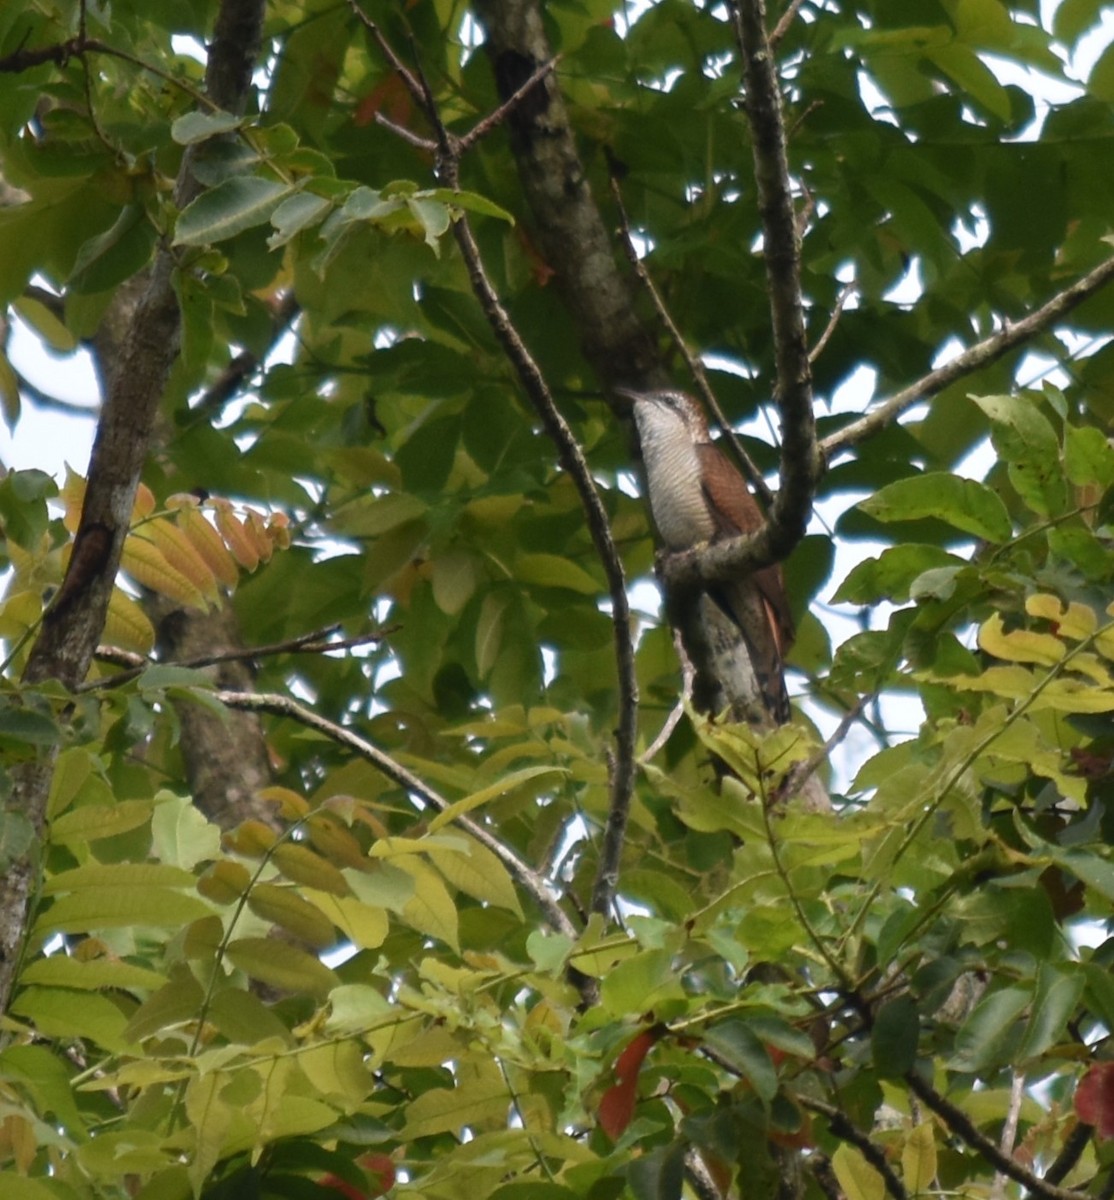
{"x":697,"y":496}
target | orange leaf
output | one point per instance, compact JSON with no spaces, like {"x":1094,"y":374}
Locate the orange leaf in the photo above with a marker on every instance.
{"x":257,"y":531}
{"x":144,"y":504}
{"x":617,"y":1105}
{"x":236,"y":537}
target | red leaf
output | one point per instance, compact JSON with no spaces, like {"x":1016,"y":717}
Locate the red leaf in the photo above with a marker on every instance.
{"x":380,"y":1173}
{"x":617,"y":1105}
{"x":1094,"y":1098}
{"x":333,"y":1183}
{"x":390,"y":97}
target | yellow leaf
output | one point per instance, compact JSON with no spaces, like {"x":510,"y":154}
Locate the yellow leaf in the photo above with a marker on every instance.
{"x":256,"y":529}
{"x":1075,"y":621}
{"x":499,"y":788}
{"x":480,"y":1096}
{"x":251,"y":838}
{"x":859,"y":1180}
{"x":337,"y":1069}
{"x":182,"y":555}
{"x":431,"y":909}
{"x":224,"y":882}
{"x":207,"y":542}
{"x":918,"y":1159}
{"x":362,"y":924}
{"x":147,"y":565}
{"x":335,"y":842}
{"x":72,"y":495}
{"x":478,"y":873}
{"x":19,"y":612}
{"x":1020,"y":645}
{"x":126,"y":624}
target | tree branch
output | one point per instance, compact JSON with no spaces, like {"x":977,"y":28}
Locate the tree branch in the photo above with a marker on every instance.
{"x":538,"y":887}
{"x":572,"y":460}
{"x":963,"y":1127}
{"x":982,"y":354}
{"x":566,"y":219}
{"x":800,"y":458}
{"x":847,"y":1131}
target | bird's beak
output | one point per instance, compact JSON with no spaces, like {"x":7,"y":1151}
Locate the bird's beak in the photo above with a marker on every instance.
{"x":629,"y":394}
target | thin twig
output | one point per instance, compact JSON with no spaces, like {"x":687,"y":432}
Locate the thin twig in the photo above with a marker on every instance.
{"x":1009,"y":1131}
{"x":316,"y":642}
{"x":959,"y":1123}
{"x":695,"y":366}
{"x":787,"y":18}
{"x":283,"y":706}
{"x":495,"y":118}
{"x":802,"y":771}
{"x":845,"y":294}
{"x":232,"y":378}
{"x":982,"y":354}
{"x":845,"y":1129}
{"x":688,"y":676}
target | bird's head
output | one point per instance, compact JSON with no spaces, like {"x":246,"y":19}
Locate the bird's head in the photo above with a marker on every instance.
{"x":666,"y":411}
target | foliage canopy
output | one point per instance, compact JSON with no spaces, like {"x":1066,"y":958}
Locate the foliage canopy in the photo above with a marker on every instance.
{"x":888,"y":999}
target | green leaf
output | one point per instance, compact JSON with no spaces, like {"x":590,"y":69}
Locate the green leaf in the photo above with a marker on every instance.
{"x":112,"y":907}
{"x":895,"y":1037}
{"x":91,"y":822}
{"x":736,"y":1043}
{"x":180,"y":835}
{"x":962,"y":503}
{"x":550,"y":570}
{"x":1058,"y":992}
{"x":228,"y":209}
{"x":61,"y":971}
{"x":282,"y":965}
{"x":658,"y":1175}
{"x":294,"y":214}
{"x":198,"y":126}
{"x":1025,"y":439}
{"x":918,"y":1158}
{"x":989,"y":1037}
{"x":891,"y":575}
{"x":67,"y":1014}
{"x":471,"y":202}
